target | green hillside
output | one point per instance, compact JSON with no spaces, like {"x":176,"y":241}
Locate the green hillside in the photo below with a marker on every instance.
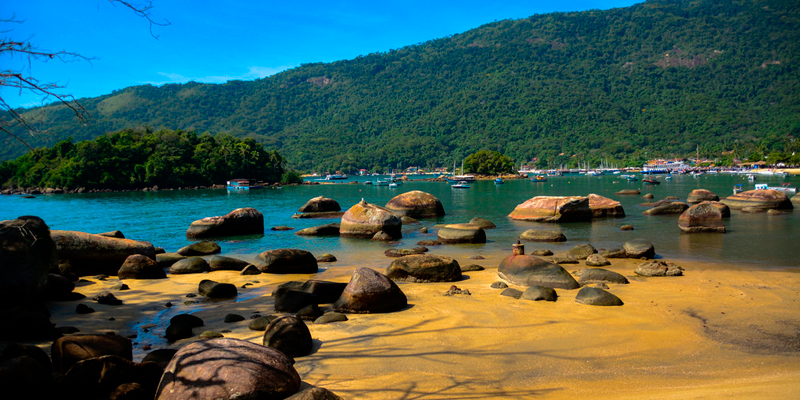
{"x":655,"y":79}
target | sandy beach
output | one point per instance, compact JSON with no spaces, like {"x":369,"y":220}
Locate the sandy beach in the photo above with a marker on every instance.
{"x":719,"y":331}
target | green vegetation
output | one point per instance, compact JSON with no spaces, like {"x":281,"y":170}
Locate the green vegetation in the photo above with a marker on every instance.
{"x":487,"y":162}
{"x":135,"y":159}
{"x":624,"y":85}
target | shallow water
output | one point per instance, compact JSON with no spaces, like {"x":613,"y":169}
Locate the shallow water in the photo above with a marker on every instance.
{"x":752,"y":240}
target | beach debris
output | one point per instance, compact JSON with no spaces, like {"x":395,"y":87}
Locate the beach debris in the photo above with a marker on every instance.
{"x":538,"y":293}
{"x":290,"y":335}
{"x":658,"y":268}
{"x":597,"y":260}
{"x":287,"y":261}
{"x":241,"y":221}
{"x":369,"y":291}
{"x":416,"y":204}
{"x":330,"y":317}
{"x":423,"y":268}
{"x":456,"y":290}
{"x":191,"y":265}
{"x":138,"y":266}
{"x":594,"y":275}
{"x":597,"y":297}
{"x":216,"y":290}
{"x":204,"y":248}
{"x":639,"y":248}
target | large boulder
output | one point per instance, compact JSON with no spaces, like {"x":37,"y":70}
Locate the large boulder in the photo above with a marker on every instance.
{"x":27,"y":255}
{"x":241,"y":221}
{"x":370,"y":291}
{"x":416,"y":204}
{"x":461,"y":233}
{"x":667,"y":208}
{"x":761,"y":199}
{"x":553,"y":209}
{"x":526,"y":270}
{"x":90,"y":254}
{"x":542,"y":235}
{"x":288,"y":334}
{"x":68,"y":350}
{"x":700,"y":195}
{"x":322,"y":230}
{"x":703,"y":217}
{"x":603,"y":207}
{"x":287,"y":261}
{"x":320,"y":204}
{"x":228,"y":369}
{"x":364,"y":220}
{"x":137,"y":266}
{"x":639,"y":248}
{"x":424,"y":268}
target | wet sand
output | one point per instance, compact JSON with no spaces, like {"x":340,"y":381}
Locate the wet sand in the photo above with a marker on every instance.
{"x":719,"y":331}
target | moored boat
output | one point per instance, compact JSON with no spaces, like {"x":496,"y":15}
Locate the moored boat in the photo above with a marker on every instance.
{"x":460,"y":185}
{"x":651,"y":181}
{"x":240,"y":185}
{"x":539,"y":178}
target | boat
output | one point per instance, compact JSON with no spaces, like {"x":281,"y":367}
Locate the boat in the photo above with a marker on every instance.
{"x":630,"y":177}
{"x":651,"y":181}
{"x":668,"y":178}
{"x":460,"y":185}
{"x":784,"y":187}
{"x":498,"y":181}
{"x":539,"y":178}
{"x":381,"y":182}
{"x":393,"y":184}
{"x":240,"y":185}
{"x":738,"y":188}
{"x":334,"y":177}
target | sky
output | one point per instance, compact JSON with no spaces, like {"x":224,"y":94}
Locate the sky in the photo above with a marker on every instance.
{"x":217,"y":41}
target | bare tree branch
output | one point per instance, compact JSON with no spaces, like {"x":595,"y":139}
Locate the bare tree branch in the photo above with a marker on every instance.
{"x":144,"y":12}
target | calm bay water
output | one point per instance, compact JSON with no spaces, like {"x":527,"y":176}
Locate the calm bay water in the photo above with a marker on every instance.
{"x":753,"y":240}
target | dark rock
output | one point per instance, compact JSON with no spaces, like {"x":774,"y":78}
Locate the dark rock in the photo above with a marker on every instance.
{"x":68,"y":350}
{"x":281,"y":228}
{"x":251,"y":270}
{"x":326,"y":258}
{"x":328,"y":292}
{"x":676,"y":207}
{"x":107,"y":376}
{"x":210,"y":335}
{"x":292,"y":301}
{"x":429,"y":243}
{"x":137,"y":266}
{"x":597,"y":297}
{"x":160,"y":357}
{"x":461,"y":233}
{"x":658,"y":268}
{"x":614,"y":253}
{"x":603,"y":207}
{"x":249,"y":370}
{"x":216,"y":290}
{"x":178,"y":331}
{"x":330,"y":317}
{"x":190,"y":320}
{"x":472,"y":267}
{"x":260,"y":323}
{"x":454,"y":290}
{"x":703,"y":217}
{"x":648,"y":196}
{"x":527,"y":270}
{"x":320,"y":204}
{"x":191,"y":265}
{"x":319,"y":215}
{"x":322,"y":230}
{"x":498,"y":285}
{"x":424,"y":229}
{"x":24,"y":374}
{"x":365,"y":220}
{"x":309,"y":313}
{"x":241,"y":221}
{"x":29,"y":321}
{"x":165,"y":260}
{"x":314,"y":393}
{"x":581,"y":251}
{"x":94,"y":254}
{"x":596,"y":260}
{"x":59,"y":288}
{"x":416,"y":204}
{"x":83,"y":309}
{"x":700,"y":195}
{"x":27,"y":255}
{"x":107,"y":298}
{"x":511,"y":292}
{"x":639,"y":248}
{"x":553,"y":209}
{"x":482,"y":222}
{"x":542,"y":253}
{"x":422,"y":268}
{"x":222,"y":263}
{"x":370,"y":291}
{"x":541,"y":235}
{"x":229,"y":318}
{"x":537,"y":293}
{"x":204,"y":248}
{"x":120,"y":287}
{"x":287,"y":261}
{"x":290,"y":335}
{"x":595,"y":275}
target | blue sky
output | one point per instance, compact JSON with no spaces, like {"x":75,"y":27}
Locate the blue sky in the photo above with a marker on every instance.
{"x":216,"y":41}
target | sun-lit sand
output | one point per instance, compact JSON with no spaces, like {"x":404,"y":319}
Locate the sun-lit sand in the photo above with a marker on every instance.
{"x":717,"y":332}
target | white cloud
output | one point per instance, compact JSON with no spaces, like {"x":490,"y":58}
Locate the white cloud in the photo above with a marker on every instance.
{"x":254,"y":72}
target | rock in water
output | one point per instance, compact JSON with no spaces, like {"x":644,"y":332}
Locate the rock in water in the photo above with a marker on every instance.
{"x":27,"y":255}
{"x":525,"y":270}
{"x":241,"y":221}
{"x":416,"y":204}
{"x":370,"y":291}
{"x":94,"y":254}
{"x":553,"y":209}
{"x":758,"y":199}
{"x":597,"y":297}
{"x":461,"y":233}
{"x":541,"y":235}
{"x":482,"y":222}
{"x":287,"y":261}
{"x":603,"y":207}
{"x":364,"y":220}
{"x":138,"y":266}
{"x":322,"y":230}
{"x":320,"y":204}
{"x":204,"y":248}
{"x":228,"y":369}
{"x":424,"y":268}
{"x":703,"y":217}
{"x":290,"y":335}
{"x":581,"y":251}
{"x":675,"y":207}
{"x":700,"y":195}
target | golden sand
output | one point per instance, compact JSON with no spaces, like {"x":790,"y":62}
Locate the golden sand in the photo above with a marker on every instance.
{"x":717,"y":332}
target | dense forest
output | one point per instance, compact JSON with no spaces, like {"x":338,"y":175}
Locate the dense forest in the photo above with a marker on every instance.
{"x":134,"y":159}
{"x":657,"y":79}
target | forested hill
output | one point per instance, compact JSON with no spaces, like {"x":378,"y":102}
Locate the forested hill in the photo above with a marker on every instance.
{"x":655,"y":79}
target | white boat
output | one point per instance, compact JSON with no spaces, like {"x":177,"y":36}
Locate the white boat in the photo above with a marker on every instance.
{"x":738,"y":188}
{"x":783,"y":188}
{"x":240,"y":185}
{"x":460,"y":185}
{"x":393,"y":184}
{"x":380,"y":182}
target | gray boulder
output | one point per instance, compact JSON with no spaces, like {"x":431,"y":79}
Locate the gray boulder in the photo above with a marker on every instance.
{"x":204,"y":248}
{"x":191,"y":265}
{"x":675,"y":207}
{"x":461,"y":233}
{"x":596,"y":260}
{"x":597,"y":297}
{"x":639,"y":248}
{"x":222,"y":263}
{"x":320,"y":204}
{"x":541,"y":235}
{"x":598,"y":275}
{"x":322,"y":230}
{"x":416,"y":204}
{"x":482,"y":222}
{"x":527,"y":270}
{"x":581,"y":251}
{"x":537,"y":293}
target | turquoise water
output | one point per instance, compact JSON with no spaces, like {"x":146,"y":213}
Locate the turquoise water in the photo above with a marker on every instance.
{"x":753,"y":240}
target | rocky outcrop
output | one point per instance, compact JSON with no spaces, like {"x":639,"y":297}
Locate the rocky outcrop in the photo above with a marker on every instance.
{"x":416,"y":204}
{"x":758,"y":199}
{"x":241,"y":221}
{"x":364,"y":220}
{"x":320,"y":204}
{"x":370,"y":291}
{"x":228,"y":369}
{"x":703,"y":217}
{"x":700,"y":195}
{"x":639,"y":248}
{"x":423,"y":268}
{"x":553,"y":209}
{"x":673,"y":207}
{"x":603,"y":207}
{"x":27,"y":255}
{"x":541,"y":235}
{"x":89,"y":254}
{"x":525,"y":270}
{"x":287,"y":261}
{"x":138,"y":266}
{"x":461,"y":233}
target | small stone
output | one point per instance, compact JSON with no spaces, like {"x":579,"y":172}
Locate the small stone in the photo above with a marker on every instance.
{"x":120,"y":286}
{"x":499,"y":285}
{"x":477,"y":258}
{"x":626,"y":228}
{"x":233,"y":318}
{"x":107,"y":298}
{"x":168,"y":304}
{"x":542,"y":252}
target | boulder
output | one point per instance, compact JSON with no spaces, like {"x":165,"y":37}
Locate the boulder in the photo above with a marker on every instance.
{"x":94,"y":254}
{"x":700,"y":195}
{"x":603,"y":207}
{"x":553,"y":209}
{"x":222,"y":263}
{"x":423,"y":268}
{"x":648,"y":196}
{"x":250,"y":270}
{"x":537,"y":293}
{"x":382,"y":237}
{"x":228,"y":369}
{"x":759,"y":199}
{"x":599,"y":275}
{"x":177,"y":331}
{"x":614,"y":253}
{"x":597,"y":260}
{"x":27,"y":255}
{"x":137,"y":266}
{"x":25,"y":372}
{"x":416,"y":204}
{"x":189,"y":320}
{"x":658,"y":268}
{"x":511,"y":292}
{"x":639,"y":248}
{"x":107,"y":298}
{"x":322,"y":230}
{"x":364,"y":220}
{"x":723,"y":209}
{"x":482,"y":222}
{"x":326,"y":258}
{"x":66,"y":351}
{"x":288,"y":334}
{"x":287,"y":261}
{"x":327,"y":292}
{"x":165,"y":260}
{"x":241,"y":221}
{"x":59,"y":288}
{"x":320,"y":204}
{"x":461,"y":233}
{"x":406,"y":220}
{"x":370,"y":291}
{"x":291,"y":300}
{"x":260,"y":323}
{"x":525,"y":270}
{"x":597,"y":297}
{"x":204,"y":248}
{"x":331,"y":317}
{"x":104,"y":377}
{"x":703,"y":217}
{"x":668,"y":208}
{"x":216,"y":290}
{"x":160,"y":357}
{"x":191,"y":265}
{"x":628,"y":192}
{"x":404,"y":252}
{"x":581,"y":251}
{"x":542,"y":253}
{"x":541,"y":235}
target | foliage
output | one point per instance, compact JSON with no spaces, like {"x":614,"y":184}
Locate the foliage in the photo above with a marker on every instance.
{"x":487,"y":162}
{"x":142,"y":158}
{"x":625,"y":85}
{"x":291,"y":177}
